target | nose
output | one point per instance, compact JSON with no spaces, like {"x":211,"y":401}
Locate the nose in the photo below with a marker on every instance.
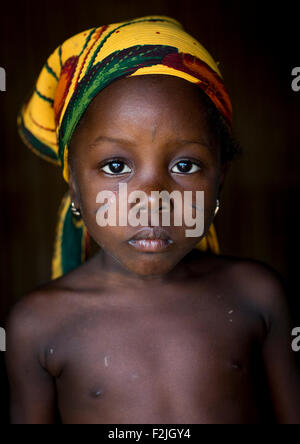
{"x":154,"y":200}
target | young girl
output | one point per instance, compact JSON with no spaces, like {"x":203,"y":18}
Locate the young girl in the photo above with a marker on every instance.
{"x":156,"y":327}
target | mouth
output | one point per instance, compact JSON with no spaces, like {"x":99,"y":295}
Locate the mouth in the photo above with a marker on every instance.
{"x":151,"y":240}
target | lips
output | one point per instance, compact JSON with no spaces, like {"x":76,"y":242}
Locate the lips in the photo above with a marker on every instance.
{"x":151,"y":239}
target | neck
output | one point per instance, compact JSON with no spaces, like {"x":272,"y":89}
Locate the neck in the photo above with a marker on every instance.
{"x":113,"y":273}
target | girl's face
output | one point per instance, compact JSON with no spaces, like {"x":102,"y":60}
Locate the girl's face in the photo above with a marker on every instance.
{"x":149,"y":132}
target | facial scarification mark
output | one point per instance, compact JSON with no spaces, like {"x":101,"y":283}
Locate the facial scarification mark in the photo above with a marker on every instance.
{"x":153,"y":132}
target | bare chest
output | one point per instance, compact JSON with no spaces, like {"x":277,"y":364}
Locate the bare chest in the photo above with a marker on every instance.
{"x":145,"y":361}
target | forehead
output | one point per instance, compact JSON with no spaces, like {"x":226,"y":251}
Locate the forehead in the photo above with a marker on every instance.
{"x":152,"y":99}
{"x":155,"y":86}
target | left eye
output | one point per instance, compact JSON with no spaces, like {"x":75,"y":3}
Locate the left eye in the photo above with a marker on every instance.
{"x":116,"y":167}
{"x":185,"y":167}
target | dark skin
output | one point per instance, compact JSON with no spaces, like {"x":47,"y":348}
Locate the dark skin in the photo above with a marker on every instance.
{"x":180,"y":336}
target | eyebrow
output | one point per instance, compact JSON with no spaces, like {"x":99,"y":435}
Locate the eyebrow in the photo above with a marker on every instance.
{"x":196,"y":141}
{"x":100,"y":139}
{"x":121,"y":141}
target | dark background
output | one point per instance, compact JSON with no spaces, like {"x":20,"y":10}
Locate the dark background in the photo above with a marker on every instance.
{"x":257,"y":45}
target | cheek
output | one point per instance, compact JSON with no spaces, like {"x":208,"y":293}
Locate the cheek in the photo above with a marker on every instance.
{"x":209,"y":185}
{"x":89,"y":184}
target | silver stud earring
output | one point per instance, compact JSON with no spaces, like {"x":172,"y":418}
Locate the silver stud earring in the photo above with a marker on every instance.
{"x":217,"y":207}
{"x":75,"y":211}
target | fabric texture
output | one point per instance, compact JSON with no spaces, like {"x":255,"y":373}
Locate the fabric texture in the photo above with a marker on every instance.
{"x":78,"y":70}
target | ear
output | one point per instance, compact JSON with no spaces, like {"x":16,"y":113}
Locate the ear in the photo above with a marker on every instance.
{"x":73,"y":187}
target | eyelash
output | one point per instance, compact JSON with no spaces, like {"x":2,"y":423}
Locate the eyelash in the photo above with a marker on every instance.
{"x":103,"y":165}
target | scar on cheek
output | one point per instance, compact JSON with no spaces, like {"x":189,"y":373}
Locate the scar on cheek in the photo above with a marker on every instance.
{"x":106,"y":361}
{"x":105,"y":206}
{"x":197,"y":207}
{"x":102,"y":208}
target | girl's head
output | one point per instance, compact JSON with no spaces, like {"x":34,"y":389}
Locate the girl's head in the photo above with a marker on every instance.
{"x":154,"y":88}
{"x":154,"y":133}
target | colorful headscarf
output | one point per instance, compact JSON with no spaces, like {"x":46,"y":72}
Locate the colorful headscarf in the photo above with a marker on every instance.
{"x":78,"y":70}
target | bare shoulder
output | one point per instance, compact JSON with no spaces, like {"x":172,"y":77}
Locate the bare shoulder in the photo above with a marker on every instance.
{"x":38,"y":313}
{"x":29,"y":316}
{"x":258,"y":280}
{"x":254,"y":283}
{"x":50,"y":305}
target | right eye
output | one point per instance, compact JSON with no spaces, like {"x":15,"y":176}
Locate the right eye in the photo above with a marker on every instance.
{"x":116,"y":167}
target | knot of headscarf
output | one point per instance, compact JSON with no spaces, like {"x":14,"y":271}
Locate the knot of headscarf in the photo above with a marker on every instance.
{"x":78,"y":70}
